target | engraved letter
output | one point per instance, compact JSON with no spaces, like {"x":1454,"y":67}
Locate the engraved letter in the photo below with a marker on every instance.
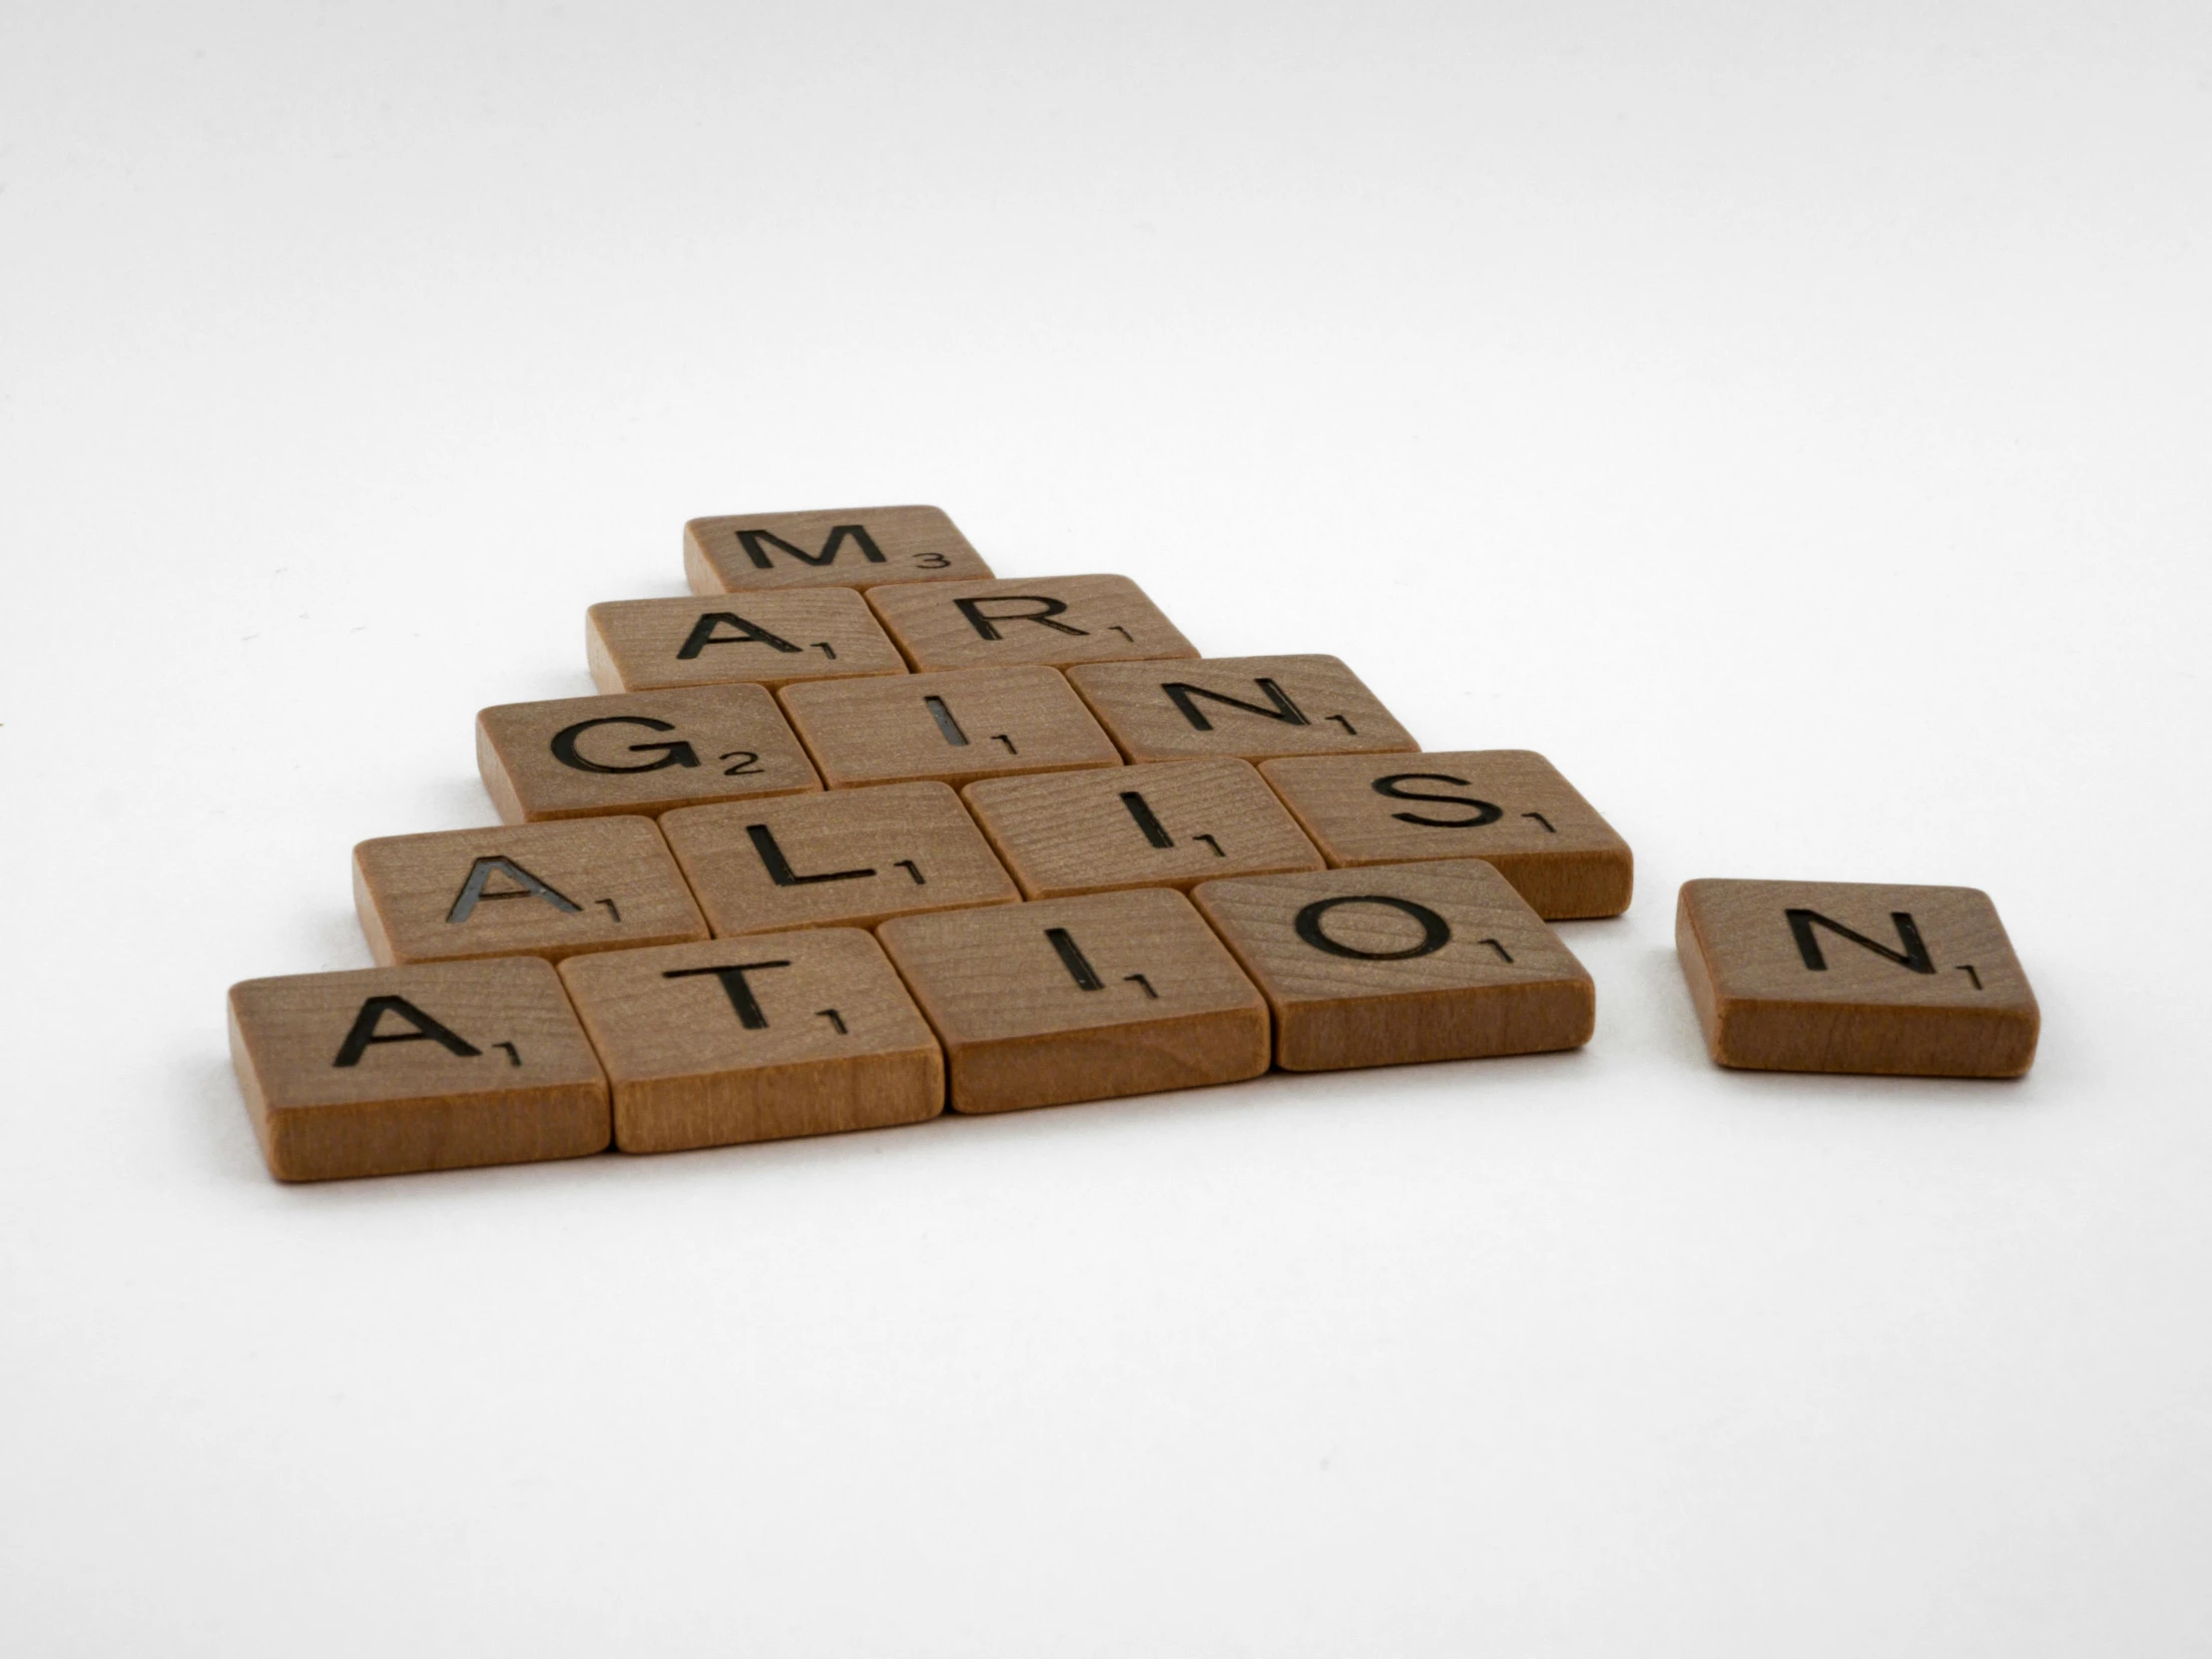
{"x":779,"y":868}
{"x":425,"y":1029}
{"x":734,"y":987}
{"x":1181,"y":693}
{"x":1915,"y":956}
{"x":1483,"y":812}
{"x":747,"y":633}
{"x":1436,"y":932}
{"x":972,"y":609}
{"x":672,"y":754}
{"x":483,"y":870}
{"x":754,"y":550}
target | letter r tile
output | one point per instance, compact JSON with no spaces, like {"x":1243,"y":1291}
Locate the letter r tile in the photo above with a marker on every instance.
{"x":1056,"y":620}
{"x":1855,"y":977}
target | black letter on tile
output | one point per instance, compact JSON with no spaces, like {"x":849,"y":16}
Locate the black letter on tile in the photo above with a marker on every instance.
{"x":1436,"y":932}
{"x":672,"y":754}
{"x":1072,"y":958}
{"x":1141,"y":809}
{"x":483,"y":870}
{"x":972,"y":609}
{"x":1483,"y":812}
{"x":734,"y":987}
{"x":1180,"y":693}
{"x":1915,"y":956}
{"x":779,"y":868}
{"x":753,"y":540}
{"x":747,"y":633}
{"x":374,"y":1009}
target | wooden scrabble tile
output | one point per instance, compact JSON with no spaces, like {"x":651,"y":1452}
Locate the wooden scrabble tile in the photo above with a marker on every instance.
{"x":755,"y":1039}
{"x":1248,"y":707}
{"x":388,"y":1070}
{"x":769,"y":639}
{"x":1438,"y":960}
{"x":1166,"y":825}
{"x":835,"y":547}
{"x":1508,"y":807}
{"x":851,"y":856}
{"x":954,"y":727}
{"x":1057,"y":619}
{"x":642,"y":752}
{"x":1853,"y":976}
{"x":1080,"y":999}
{"x":533,"y":889}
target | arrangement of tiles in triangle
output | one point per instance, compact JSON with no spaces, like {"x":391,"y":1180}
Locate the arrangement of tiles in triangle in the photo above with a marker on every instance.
{"x":861,"y":832}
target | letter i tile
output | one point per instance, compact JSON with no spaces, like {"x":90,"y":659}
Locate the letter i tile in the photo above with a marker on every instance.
{"x":1074,"y":999}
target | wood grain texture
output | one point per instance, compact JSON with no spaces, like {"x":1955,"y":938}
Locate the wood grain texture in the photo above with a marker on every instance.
{"x":642,"y":752}
{"x":385,"y":1071}
{"x":849,"y":858}
{"x":756,"y":1039}
{"x":767,"y":638}
{"x":830,"y":547}
{"x":1928,"y":987}
{"x":951,"y":727}
{"x":1437,"y":960}
{"x":1055,"y":619}
{"x":1250,"y":708}
{"x":1510,"y":806}
{"x":1080,"y":999}
{"x":533,"y":889}
{"x":1164,"y":824}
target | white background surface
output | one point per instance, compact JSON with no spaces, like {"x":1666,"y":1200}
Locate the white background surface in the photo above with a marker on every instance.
{"x":1796,"y":426}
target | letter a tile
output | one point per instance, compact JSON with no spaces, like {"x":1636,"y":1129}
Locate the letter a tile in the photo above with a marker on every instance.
{"x":1507,"y":805}
{"x":767,"y":638}
{"x":756,"y":1039}
{"x":1855,"y":977}
{"x":389,"y":1070}
{"x":532,"y":890}
{"x":1248,"y":707}
{"x":646,"y":752}
{"x":1057,"y":619}
{"x":834,"y":547}
{"x":1080,"y":999}
{"x":1438,"y":960}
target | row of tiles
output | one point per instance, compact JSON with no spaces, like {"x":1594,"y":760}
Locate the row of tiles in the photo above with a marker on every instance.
{"x":860,"y":856}
{"x":829,"y":632}
{"x":649,"y":752}
{"x":1050,"y":1001}
{"x":820,"y":1029}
